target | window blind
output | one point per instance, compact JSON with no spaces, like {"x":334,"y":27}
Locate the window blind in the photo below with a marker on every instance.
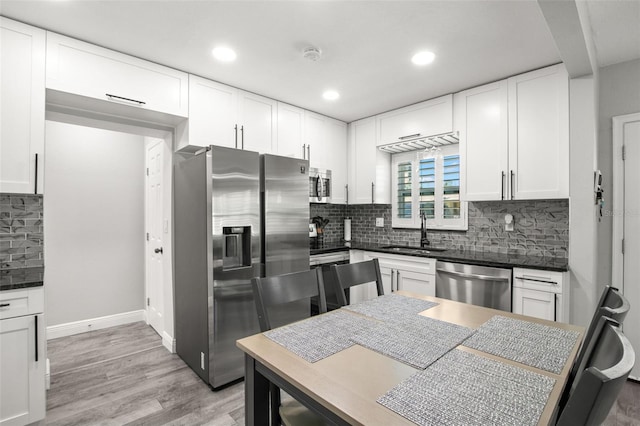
{"x":404,"y":190}
{"x":451,"y":187}
{"x":427,"y":170}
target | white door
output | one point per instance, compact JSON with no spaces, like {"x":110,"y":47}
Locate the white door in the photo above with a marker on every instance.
{"x":627,"y":134}
{"x":258,"y":123}
{"x":154,"y":244}
{"x":212,"y":113}
{"x":291,"y":131}
{"x":363,"y":162}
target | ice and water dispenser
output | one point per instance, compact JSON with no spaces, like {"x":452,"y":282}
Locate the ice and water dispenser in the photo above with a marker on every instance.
{"x":236,"y":248}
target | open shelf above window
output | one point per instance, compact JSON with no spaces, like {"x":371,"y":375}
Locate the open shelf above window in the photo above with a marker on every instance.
{"x":421,"y":142}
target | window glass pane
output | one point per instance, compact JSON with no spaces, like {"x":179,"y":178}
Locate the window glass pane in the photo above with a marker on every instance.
{"x":451,"y":187}
{"x":404,"y":190}
{"x":427,"y":172}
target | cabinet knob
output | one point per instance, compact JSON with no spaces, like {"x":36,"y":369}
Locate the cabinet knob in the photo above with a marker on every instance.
{"x":158,"y":250}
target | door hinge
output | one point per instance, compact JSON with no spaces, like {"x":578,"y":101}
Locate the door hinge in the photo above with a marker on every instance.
{"x":148,"y":301}
{"x":624,"y":153}
{"x":147,"y":236}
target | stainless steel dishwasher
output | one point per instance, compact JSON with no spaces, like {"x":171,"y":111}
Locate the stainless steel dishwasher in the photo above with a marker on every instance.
{"x":478,"y":285}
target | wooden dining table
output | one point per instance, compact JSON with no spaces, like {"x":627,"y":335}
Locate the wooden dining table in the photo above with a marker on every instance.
{"x":344,"y":387}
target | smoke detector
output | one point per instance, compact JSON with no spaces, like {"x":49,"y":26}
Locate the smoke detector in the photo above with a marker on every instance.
{"x":311,"y":53}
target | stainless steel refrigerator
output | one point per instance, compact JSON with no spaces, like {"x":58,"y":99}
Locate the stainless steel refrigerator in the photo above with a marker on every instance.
{"x":222,"y":239}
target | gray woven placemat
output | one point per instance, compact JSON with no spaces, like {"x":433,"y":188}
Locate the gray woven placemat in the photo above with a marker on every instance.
{"x":391,"y":307}
{"x":466,"y":389}
{"x":417,"y":341}
{"x":321,"y":336}
{"x":532,"y":344}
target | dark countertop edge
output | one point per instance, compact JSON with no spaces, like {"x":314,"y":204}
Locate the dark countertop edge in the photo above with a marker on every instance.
{"x":18,"y":286}
{"x":521,"y":261}
{"x":330,"y":250}
{"x":20,"y":278}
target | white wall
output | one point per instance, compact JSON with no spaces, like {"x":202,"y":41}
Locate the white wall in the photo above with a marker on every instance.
{"x":582,"y":210}
{"x":93,"y":223}
{"x":619,"y":95}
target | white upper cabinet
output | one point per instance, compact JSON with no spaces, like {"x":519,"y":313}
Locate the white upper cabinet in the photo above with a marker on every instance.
{"x":514,"y":137}
{"x":539,"y":134}
{"x":257,"y":117}
{"x":225,"y":116}
{"x":212,"y":114}
{"x":22,"y":107}
{"x":316,"y":140}
{"x":291,"y":132}
{"x":369,"y":168}
{"x":84,"y":69}
{"x":428,"y":118}
{"x":481,"y":120}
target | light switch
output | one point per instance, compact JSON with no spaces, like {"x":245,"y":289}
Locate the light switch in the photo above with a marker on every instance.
{"x":380,"y":222}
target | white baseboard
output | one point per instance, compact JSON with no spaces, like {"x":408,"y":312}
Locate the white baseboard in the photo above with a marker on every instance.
{"x":169,"y":342}
{"x":71,"y":328}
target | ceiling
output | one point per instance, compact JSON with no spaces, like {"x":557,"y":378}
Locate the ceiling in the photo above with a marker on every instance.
{"x":366,"y":45}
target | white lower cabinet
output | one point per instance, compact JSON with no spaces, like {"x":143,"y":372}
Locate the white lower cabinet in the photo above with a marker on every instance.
{"x":409,"y":273}
{"x":22,"y":358}
{"x":541,"y":294}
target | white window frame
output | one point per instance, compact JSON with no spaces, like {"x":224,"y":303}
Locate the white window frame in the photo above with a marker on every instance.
{"x":460,"y":224}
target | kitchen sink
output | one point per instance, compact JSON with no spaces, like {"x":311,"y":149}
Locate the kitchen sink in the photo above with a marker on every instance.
{"x":413,"y":249}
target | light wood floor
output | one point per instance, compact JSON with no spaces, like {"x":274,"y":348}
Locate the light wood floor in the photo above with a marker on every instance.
{"x":123,"y":375}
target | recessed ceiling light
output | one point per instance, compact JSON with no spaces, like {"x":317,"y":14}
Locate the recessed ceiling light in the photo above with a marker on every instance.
{"x":331,"y":95}
{"x":423,"y":58}
{"x":224,"y":54}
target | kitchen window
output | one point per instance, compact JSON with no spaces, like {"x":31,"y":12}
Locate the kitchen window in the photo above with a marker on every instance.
{"x":428,"y":182}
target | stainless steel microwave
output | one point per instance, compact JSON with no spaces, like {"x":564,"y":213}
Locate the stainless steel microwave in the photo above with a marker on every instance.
{"x":319,"y":185}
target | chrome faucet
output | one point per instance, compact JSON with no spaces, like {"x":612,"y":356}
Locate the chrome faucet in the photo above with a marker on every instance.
{"x":424,"y":241}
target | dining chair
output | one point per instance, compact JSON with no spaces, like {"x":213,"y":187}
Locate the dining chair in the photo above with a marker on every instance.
{"x":353,"y":274}
{"x":612,"y":305}
{"x":609,"y":358}
{"x":278,"y":290}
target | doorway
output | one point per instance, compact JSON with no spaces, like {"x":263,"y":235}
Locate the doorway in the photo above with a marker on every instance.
{"x":101,"y":269}
{"x":626,"y":221}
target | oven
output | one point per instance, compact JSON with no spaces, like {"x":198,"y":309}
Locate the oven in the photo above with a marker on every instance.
{"x":319,"y":185}
{"x":324,"y":261}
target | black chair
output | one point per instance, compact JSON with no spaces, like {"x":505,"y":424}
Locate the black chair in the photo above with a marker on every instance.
{"x":609,"y":358}
{"x":612,"y":305}
{"x":270,"y":292}
{"x":353,"y":274}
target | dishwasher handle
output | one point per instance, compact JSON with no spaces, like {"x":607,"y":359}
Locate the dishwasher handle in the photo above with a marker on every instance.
{"x":474,"y":276}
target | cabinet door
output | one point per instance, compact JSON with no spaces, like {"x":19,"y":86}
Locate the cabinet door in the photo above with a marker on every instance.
{"x":258,"y":127}
{"x":481,"y":117}
{"x":212,"y":113}
{"x":416,"y":282}
{"x":539,"y":134}
{"x":84,"y":69}
{"x":336,"y":158}
{"x":369,"y":168}
{"x":316,"y":139}
{"x":538,"y":304}
{"x":428,"y":118}
{"x":22,"y":104}
{"x":22,"y":394}
{"x":291,"y":131}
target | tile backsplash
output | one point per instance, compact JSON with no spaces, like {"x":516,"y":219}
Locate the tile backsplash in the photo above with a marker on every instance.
{"x":21,"y":241}
{"x":541,"y":228}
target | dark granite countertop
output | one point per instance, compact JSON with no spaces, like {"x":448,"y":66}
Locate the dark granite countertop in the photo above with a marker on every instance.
{"x":333,"y":249}
{"x":12,"y":279}
{"x":499,"y":260}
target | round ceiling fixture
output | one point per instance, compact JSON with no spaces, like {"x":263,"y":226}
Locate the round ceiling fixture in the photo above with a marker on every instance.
{"x":331,"y":95}
{"x":311,"y":53}
{"x":423,"y":58}
{"x":224,"y":54}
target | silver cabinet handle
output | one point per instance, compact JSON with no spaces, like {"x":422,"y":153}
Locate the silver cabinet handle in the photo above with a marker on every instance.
{"x":397,"y":279}
{"x":304,"y":151}
{"x":235,"y":128}
{"x":373,"y":190}
{"x":504,"y":175}
{"x":35,"y":184}
{"x":5,"y":305}
{"x":513,"y":175}
{"x":120,"y":98}
{"x":346,"y":194}
{"x":476,"y":276}
{"x":36,"y":333}
{"x":242,"y":135}
{"x":309,"y":153}
{"x":392,"y":273}
{"x":537,"y":280}
{"x":555,"y":307}
{"x":410,"y":136}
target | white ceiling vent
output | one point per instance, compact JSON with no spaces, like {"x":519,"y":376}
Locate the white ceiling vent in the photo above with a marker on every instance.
{"x":311,"y":53}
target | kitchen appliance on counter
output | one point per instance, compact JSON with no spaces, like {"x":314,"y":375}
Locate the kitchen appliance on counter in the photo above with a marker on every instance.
{"x":474,"y":284}
{"x":319,"y":185}
{"x":238,"y":215}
